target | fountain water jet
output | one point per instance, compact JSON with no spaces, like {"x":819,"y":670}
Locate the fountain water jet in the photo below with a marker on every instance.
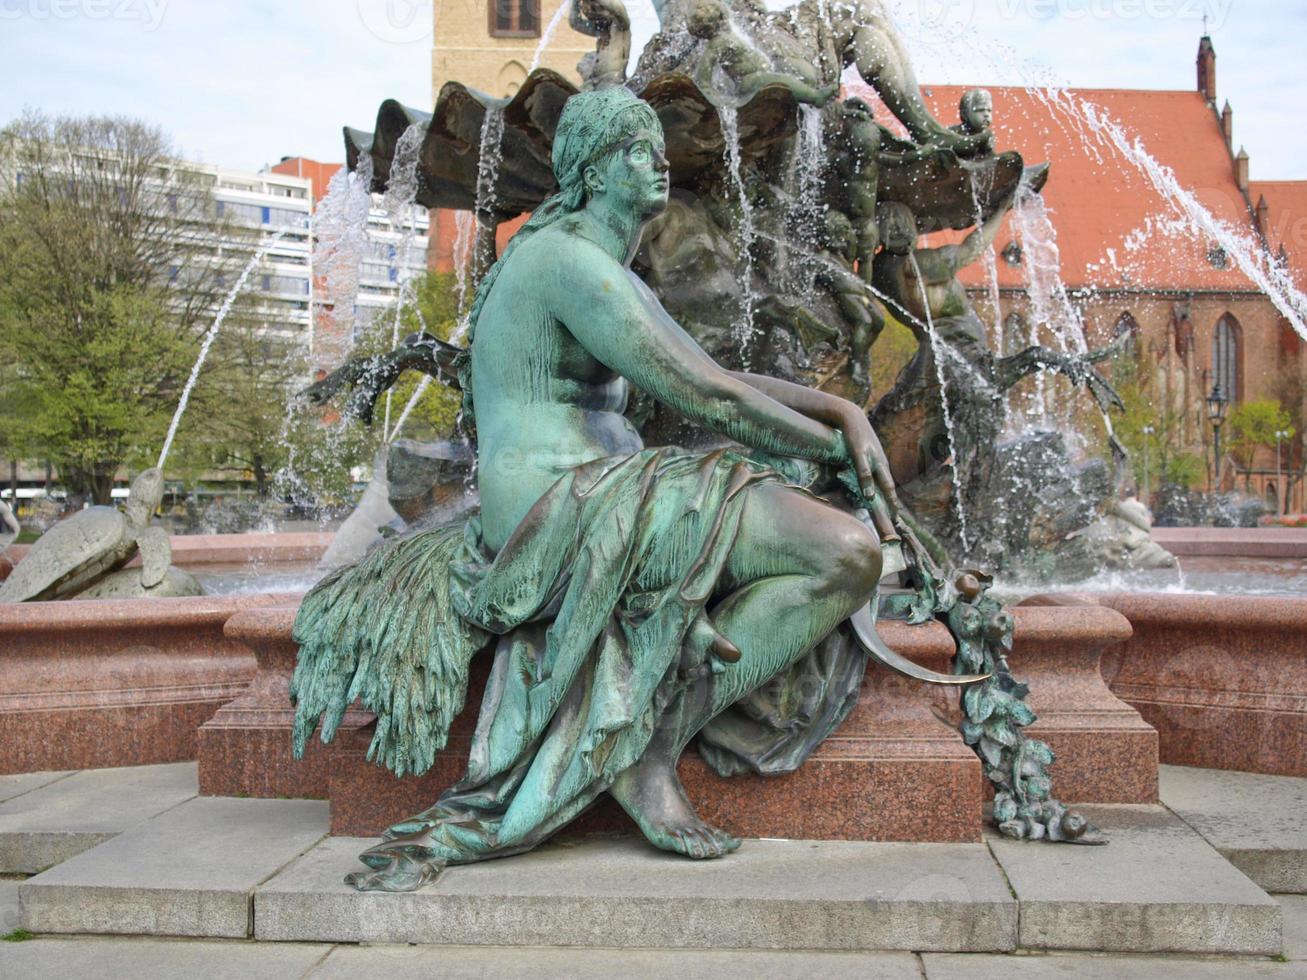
{"x":210,"y":336}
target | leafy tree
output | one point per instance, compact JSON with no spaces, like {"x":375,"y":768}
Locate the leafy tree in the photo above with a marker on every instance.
{"x":99,"y":226}
{"x":433,"y":308}
{"x":1252,"y":426}
{"x":1151,"y":431}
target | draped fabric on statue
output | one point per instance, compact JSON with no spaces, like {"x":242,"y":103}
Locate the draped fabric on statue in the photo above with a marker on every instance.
{"x":589,"y":603}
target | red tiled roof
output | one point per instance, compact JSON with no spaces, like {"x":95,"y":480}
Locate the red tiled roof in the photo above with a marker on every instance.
{"x":1286,"y":225}
{"x":1114,"y":227}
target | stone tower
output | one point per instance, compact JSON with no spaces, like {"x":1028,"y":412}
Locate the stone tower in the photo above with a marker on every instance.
{"x":489,"y":45}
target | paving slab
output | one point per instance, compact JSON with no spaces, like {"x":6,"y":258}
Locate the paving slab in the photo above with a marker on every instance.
{"x":1256,"y":821}
{"x":11,"y":913}
{"x":622,"y":893}
{"x":1294,"y":908}
{"x":188,"y":872}
{"x":1083,"y":966}
{"x":1157,"y":887}
{"x":66,"y":816}
{"x":534,"y":963}
{"x":155,"y":959}
{"x":24,"y":782}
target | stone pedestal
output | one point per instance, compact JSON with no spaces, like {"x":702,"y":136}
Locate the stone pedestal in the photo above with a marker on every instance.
{"x":894,"y":771}
{"x":97,"y":684}
{"x":1106,"y":753}
{"x":1223,"y":679}
{"x":245,"y":748}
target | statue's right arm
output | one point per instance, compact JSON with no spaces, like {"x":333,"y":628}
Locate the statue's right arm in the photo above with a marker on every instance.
{"x":621,"y":323}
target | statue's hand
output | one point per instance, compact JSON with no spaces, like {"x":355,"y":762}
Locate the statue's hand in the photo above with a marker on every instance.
{"x":866,"y":455}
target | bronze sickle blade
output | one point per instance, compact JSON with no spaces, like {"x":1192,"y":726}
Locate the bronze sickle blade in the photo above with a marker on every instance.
{"x":864,"y":627}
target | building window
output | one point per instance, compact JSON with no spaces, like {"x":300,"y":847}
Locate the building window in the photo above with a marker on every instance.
{"x":1012,"y":253}
{"x":1225,"y":357}
{"x":514,"y":18}
{"x":1217,"y":257}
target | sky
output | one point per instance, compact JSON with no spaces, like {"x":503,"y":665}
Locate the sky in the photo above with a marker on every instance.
{"x":242,"y":83}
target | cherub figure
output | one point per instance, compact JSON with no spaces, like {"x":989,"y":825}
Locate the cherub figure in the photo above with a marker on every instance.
{"x":976,"y":115}
{"x":839,"y":249}
{"x":745,"y":68}
{"x":608,"y":21}
{"x":976,"y":111}
{"x":863,"y":147}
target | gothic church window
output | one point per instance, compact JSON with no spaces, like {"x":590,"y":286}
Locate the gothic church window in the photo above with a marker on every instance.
{"x":1225,"y":358}
{"x":514,"y":18}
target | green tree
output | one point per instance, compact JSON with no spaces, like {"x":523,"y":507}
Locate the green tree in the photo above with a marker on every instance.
{"x":98,"y":227}
{"x":1151,"y":431}
{"x":433,"y":308}
{"x":1252,"y":426}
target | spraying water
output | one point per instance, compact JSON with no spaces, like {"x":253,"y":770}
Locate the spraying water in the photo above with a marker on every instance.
{"x":464,"y":224}
{"x":340,"y":234}
{"x":547,"y":35}
{"x":399,"y":202}
{"x":1273,"y":280}
{"x":211,"y":335}
{"x":937,"y":349}
{"x":744,"y":329}
{"x":807,"y":216}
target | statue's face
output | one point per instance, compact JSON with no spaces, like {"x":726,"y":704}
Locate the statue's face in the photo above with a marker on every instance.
{"x":898,"y":230}
{"x":979,"y":111}
{"x":636,"y":178}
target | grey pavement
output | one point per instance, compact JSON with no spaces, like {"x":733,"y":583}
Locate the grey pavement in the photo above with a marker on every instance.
{"x":473,"y":963}
{"x":769,"y":895}
{"x":187,"y":872}
{"x":51,"y":821}
{"x":1082,"y":966}
{"x":155,"y":959}
{"x":1295,"y":925}
{"x":113,"y":958}
{"x":25,"y":782}
{"x":10,"y":912}
{"x":1257,"y":822}
{"x":1157,"y":887}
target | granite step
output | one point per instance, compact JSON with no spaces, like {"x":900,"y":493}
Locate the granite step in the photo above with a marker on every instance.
{"x":47,"y":818}
{"x":190,"y":871}
{"x":780,"y":895}
{"x":219,"y":867}
{"x":1257,"y":822}
{"x":1157,"y":887}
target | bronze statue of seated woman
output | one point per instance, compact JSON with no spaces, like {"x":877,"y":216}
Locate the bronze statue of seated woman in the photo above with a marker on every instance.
{"x":632,"y":595}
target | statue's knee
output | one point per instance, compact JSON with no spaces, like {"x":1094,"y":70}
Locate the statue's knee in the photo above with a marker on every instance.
{"x":855,"y":559}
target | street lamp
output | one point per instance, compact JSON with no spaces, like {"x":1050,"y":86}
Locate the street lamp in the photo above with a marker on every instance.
{"x":1281,"y":499}
{"x":1147,"y":430}
{"x":1216,"y":404}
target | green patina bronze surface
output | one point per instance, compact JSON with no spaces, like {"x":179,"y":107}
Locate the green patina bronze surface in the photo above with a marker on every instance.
{"x":634,"y":598}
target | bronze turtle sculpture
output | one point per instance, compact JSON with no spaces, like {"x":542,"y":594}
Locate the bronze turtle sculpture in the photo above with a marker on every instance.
{"x":76,"y":554}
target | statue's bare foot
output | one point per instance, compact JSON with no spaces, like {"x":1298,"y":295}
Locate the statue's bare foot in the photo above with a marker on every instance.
{"x":404,"y":864}
{"x":651,"y":793}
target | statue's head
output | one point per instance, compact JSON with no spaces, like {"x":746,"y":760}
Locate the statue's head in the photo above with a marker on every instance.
{"x":897,"y":226}
{"x":860,"y":126}
{"x":609,"y":145}
{"x":707,"y":18}
{"x":977,"y":110}
{"x":838,"y":230}
{"x":146,"y":495}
